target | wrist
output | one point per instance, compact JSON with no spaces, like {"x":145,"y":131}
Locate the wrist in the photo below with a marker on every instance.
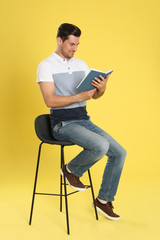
{"x":78,"y":97}
{"x":101,"y":91}
{"x":98,"y":93}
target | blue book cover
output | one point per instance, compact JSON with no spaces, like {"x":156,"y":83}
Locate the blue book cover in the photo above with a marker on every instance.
{"x":85,"y":84}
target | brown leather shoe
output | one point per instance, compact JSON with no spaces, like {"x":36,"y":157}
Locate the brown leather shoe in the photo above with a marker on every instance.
{"x":73,"y":180}
{"x":106,"y":210}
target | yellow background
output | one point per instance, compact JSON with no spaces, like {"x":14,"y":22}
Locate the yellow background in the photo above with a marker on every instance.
{"x":122,"y":35}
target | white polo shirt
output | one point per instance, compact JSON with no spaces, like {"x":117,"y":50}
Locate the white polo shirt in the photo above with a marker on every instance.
{"x":66,"y":75}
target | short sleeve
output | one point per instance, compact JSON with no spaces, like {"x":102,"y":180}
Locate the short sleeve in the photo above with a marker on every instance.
{"x":85,"y":67}
{"x":44,"y":72}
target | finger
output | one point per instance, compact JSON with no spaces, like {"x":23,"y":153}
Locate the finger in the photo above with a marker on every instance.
{"x":93,"y":90}
{"x":98,"y":83}
{"x":95,"y":83}
{"x":102,"y":78}
{"x":97,"y":80}
{"x":107,"y":76}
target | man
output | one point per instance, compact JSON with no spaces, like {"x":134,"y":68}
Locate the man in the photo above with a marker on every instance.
{"x":58,"y":76}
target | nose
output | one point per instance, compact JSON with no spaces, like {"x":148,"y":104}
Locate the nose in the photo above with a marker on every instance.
{"x":75,"y":48}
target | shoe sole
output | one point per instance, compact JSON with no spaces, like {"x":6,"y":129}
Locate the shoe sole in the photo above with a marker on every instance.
{"x":106,"y":215}
{"x":75,"y":188}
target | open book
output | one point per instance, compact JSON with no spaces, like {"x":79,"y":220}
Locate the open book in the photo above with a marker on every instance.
{"x":85,"y":84}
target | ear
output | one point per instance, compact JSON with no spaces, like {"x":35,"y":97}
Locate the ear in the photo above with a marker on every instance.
{"x":59,"y":41}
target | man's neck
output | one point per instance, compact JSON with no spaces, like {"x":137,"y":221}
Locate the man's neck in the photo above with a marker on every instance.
{"x":61,"y":55}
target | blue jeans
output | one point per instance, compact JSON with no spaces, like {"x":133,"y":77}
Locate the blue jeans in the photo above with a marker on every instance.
{"x":96,"y":143}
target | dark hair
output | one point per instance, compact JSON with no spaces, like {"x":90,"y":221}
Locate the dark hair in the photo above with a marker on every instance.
{"x":67,"y":29}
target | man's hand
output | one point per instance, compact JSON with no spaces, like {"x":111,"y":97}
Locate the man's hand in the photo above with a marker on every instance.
{"x":87,"y":94}
{"x":100,"y":86}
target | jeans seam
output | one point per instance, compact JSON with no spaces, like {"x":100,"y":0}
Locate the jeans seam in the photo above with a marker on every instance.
{"x":109,"y":185}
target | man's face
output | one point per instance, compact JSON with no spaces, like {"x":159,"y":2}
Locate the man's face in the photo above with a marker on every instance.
{"x":69,"y":46}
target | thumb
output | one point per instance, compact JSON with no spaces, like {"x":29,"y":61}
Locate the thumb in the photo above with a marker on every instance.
{"x":108,"y":76}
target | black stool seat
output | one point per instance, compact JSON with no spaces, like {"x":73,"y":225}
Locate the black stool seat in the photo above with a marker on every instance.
{"x":43,"y":131}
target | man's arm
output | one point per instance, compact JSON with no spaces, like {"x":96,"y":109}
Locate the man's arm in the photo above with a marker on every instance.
{"x":100,"y":86}
{"x":47,"y":89}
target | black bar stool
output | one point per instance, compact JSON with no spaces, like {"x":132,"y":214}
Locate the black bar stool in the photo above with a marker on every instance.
{"x":43,"y":131}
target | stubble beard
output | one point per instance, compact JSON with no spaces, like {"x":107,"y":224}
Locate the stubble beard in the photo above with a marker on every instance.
{"x":66,"y":55}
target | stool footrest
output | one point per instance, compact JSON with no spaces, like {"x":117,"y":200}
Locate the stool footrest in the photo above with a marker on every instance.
{"x":54,"y":194}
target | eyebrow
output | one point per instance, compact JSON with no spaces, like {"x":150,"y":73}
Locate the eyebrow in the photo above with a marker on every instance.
{"x":74,"y":43}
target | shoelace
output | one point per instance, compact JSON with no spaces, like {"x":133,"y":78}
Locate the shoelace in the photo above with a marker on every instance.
{"x":110,"y":204}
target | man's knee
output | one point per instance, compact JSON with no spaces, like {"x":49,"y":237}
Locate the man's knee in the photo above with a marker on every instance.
{"x":101,"y":147}
{"x":122,"y":155}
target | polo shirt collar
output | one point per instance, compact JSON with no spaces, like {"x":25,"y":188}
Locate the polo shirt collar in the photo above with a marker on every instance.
{"x":59,"y":58}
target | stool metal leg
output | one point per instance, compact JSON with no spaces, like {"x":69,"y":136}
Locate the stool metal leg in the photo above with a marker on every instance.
{"x":61,"y":188}
{"x":35,"y":182}
{"x":92,"y":194}
{"x":65,"y":189}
